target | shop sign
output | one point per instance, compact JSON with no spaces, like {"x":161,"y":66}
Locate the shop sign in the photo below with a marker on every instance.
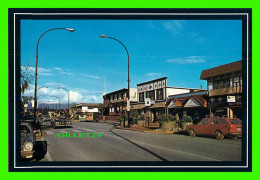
{"x":148,"y":102}
{"x":231,"y":99}
{"x":128,"y":107}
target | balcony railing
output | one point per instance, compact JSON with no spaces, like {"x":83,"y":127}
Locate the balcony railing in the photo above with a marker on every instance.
{"x":224,"y":91}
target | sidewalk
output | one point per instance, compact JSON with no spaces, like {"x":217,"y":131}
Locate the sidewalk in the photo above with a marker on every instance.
{"x":144,"y":129}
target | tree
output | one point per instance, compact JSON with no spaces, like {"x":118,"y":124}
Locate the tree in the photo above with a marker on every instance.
{"x":26,"y":79}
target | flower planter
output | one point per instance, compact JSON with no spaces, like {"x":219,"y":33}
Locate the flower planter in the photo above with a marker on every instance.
{"x":140,"y":123}
{"x":185,"y":124}
{"x":168,"y":126}
{"x":122,"y":123}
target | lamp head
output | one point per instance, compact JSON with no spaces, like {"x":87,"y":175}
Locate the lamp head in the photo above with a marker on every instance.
{"x":69,"y":29}
{"x":103,"y":36}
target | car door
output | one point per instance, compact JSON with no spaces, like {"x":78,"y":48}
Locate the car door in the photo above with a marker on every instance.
{"x":224,"y":126}
{"x":202,"y":126}
{"x":213,"y":125}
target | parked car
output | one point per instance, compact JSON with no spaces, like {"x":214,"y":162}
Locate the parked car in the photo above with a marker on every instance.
{"x":59,"y":122}
{"x":218,"y":127}
{"x":27,"y":140}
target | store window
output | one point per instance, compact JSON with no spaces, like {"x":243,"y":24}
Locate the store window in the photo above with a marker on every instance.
{"x":150,"y":94}
{"x":159,"y":94}
{"x":141,"y":97}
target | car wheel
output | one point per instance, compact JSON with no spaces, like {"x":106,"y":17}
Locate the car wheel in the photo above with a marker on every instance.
{"x":192,"y":132}
{"x":219,"y":135}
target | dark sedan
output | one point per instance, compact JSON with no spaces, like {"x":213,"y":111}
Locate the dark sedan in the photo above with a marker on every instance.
{"x":27,"y":141}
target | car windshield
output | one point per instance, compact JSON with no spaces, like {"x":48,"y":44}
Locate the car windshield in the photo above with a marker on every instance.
{"x":235,"y":121}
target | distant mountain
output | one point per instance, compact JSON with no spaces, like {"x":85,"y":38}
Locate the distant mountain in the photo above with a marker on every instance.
{"x":51,"y":106}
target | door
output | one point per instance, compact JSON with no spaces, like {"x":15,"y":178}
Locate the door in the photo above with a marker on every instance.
{"x":202,"y":126}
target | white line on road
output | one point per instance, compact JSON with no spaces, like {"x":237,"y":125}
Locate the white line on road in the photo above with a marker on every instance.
{"x":63,"y":131}
{"x":176,"y":151}
{"x":74,"y":130}
{"x":49,"y":132}
{"x":91,"y":130}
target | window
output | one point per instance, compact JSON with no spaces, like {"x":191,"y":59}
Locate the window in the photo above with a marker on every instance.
{"x":159,"y":94}
{"x":235,"y":121}
{"x":204,"y":121}
{"x":210,"y":86}
{"x":141,"y":97}
{"x":150,"y":94}
{"x":223,"y":121}
{"x":213,"y":121}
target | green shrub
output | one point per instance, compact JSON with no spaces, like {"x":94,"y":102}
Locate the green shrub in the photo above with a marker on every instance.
{"x":142,"y":118}
{"x":134,"y":116}
{"x":186,"y":119}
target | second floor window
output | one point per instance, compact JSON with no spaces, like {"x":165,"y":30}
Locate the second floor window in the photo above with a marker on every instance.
{"x":141,"y":97}
{"x":159,"y":94}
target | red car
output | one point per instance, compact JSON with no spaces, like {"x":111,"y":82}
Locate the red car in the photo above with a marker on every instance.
{"x":218,"y":127}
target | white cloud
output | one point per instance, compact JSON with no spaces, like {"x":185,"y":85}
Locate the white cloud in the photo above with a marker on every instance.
{"x":91,"y":76}
{"x":174,"y":26}
{"x":187,"y":60}
{"x":55,"y":84}
{"x":153,"y":74}
{"x":40,"y":71}
{"x":63,"y":72}
{"x":76,"y":95}
{"x":58,"y":69}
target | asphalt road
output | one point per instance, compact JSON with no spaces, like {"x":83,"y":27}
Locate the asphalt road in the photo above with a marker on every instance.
{"x":125,"y":145}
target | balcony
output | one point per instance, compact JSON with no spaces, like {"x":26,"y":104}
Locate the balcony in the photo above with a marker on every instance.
{"x":226,"y":91}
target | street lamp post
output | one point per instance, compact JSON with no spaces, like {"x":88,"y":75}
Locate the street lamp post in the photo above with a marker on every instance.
{"x":68,"y":96}
{"x":36,"y":67}
{"x":59,"y":101}
{"x":104,"y":36}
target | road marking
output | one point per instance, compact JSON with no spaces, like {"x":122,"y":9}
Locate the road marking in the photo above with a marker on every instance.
{"x":74,"y":130}
{"x":63,"y":131}
{"x":91,"y":130}
{"x":48,"y":132}
{"x":177,"y":151}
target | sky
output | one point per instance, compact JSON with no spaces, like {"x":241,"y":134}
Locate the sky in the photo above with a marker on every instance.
{"x":83,"y":62}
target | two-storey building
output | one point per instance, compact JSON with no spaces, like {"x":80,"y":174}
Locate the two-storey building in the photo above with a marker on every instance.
{"x":115,"y":102}
{"x":153,"y":97}
{"x":88,"y":111}
{"x":225,"y":89}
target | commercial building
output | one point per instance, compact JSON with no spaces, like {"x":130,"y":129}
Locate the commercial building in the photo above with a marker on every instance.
{"x":189,"y":104}
{"x":115,"y":103}
{"x":153,"y":97}
{"x":88,"y":111}
{"x":225,"y":89}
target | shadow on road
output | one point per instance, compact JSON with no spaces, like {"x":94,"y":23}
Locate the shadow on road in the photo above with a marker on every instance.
{"x":40,"y":150}
{"x":143,"y":148}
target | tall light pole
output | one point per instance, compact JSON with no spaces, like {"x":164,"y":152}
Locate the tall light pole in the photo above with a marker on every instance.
{"x":68,"y":96}
{"x":36,"y":67}
{"x":59,"y":101}
{"x":104,"y":36}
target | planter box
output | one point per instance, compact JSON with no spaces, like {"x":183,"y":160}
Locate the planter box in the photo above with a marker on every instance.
{"x":185,"y":124}
{"x":122,"y":123}
{"x":168,"y":126}
{"x":140,"y":123}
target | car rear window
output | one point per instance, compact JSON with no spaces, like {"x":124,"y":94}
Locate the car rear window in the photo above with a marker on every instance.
{"x":235,"y":121}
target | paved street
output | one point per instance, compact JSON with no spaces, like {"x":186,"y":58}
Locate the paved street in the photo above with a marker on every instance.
{"x":125,"y":145}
